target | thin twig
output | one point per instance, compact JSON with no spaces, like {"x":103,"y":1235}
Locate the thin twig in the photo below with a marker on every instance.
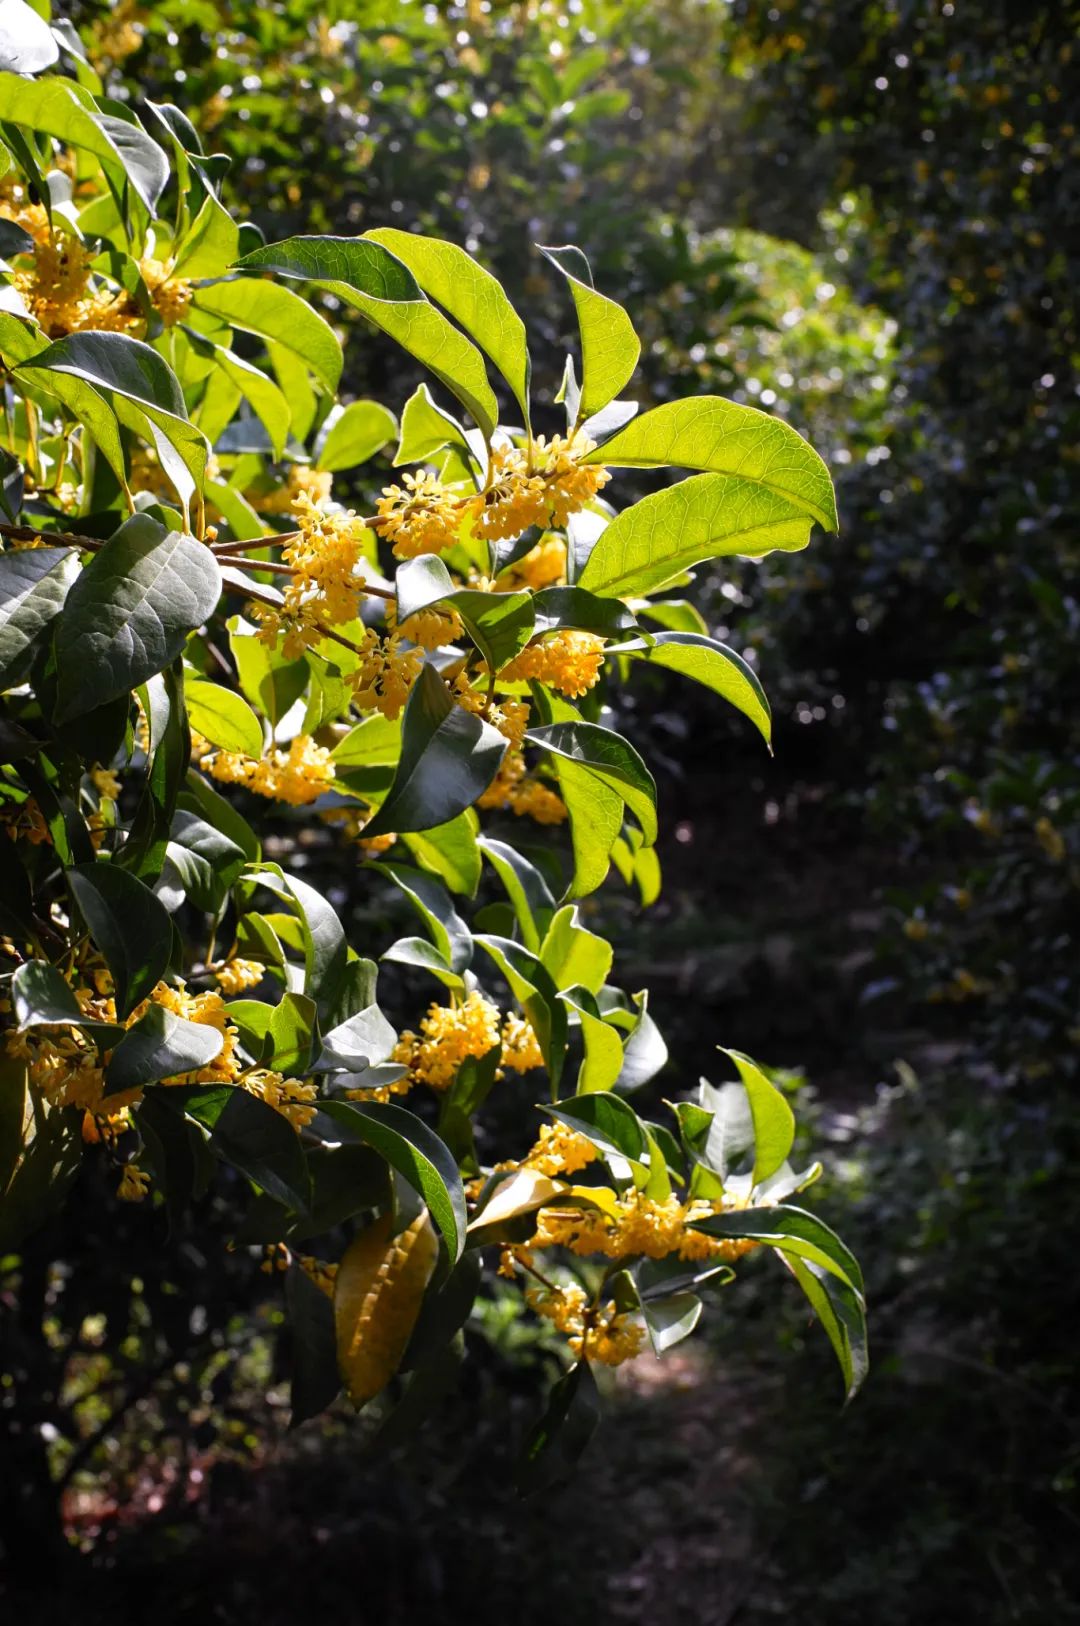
{"x":63,"y":539}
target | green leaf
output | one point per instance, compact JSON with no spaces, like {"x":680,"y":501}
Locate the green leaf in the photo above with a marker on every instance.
{"x":525,"y":887}
{"x":315,"y":1379}
{"x":676,"y":614}
{"x":450,"y":851}
{"x":774,"y":1121}
{"x":169,"y":756}
{"x":532,"y":987}
{"x":840,"y":1310}
{"x":416,"y":1152}
{"x":292,"y":1030}
{"x":716,"y":667}
{"x":260,"y":392}
{"x":433,"y":903}
{"x":363,"y":274}
{"x":607,"y":757}
{"x":326,"y":952}
{"x":41,"y":997}
{"x":130,"y":612}
{"x":223,"y":717}
{"x":645,"y":1052}
{"x":263,"y":1145}
{"x":270,"y":681}
{"x":473,"y":298}
{"x":136,"y":374}
{"x":795,"y":1232}
{"x":211,"y":245}
{"x":574,"y":607}
{"x":557,"y":1442}
{"x":373,"y":743}
{"x":424,"y":956}
{"x":724,"y":438}
{"x":500,"y":624}
{"x":426,"y":429}
{"x":448,"y":758}
{"x":27,"y":45}
{"x":352,"y":434}
{"x":276,"y":314}
{"x":613,"y":1127}
{"x":648,"y":546}
{"x":130,"y":926}
{"x":41,"y":1180}
{"x":34,"y":582}
{"x":609,"y":345}
{"x":669,"y":1321}
{"x":575,"y":955}
{"x":471,"y":1087}
{"x":602,"y":1062}
{"x":160,"y":1045}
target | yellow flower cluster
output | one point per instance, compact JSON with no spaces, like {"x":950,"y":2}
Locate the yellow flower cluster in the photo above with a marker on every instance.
{"x":560,"y":1150}
{"x":635,"y":1226}
{"x":324,"y":589}
{"x":134,"y":1184}
{"x":570,"y":484}
{"x":520,"y":1046}
{"x":351,"y":822}
{"x":25,"y":820}
{"x":301,"y":481}
{"x":600,"y":1333}
{"x":386,"y":674}
{"x":429,"y":628}
{"x":1050,"y":840}
{"x":297,"y":776}
{"x":544,"y":492}
{"x":294,"y":1100}
{"x":510,"y":716}
{"x":521,"y":793}
{"x":448,"y":1035}
{"x":568,"y":661}
{"x":543,"y":566}
{"x":419,"y":516}
{"x":169,"y":295}
{"x":236,"y":975}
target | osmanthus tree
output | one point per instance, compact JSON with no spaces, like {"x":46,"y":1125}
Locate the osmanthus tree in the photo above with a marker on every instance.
{"x":202,"y":655}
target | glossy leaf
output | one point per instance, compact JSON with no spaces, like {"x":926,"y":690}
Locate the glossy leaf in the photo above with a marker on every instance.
{"x":366,"y":276}
{"x":417,"y":1154}
{"x":448,"y":759}
{"x":433,"y":903}
{"x":129,"y":613}
{"x":34,"y":583}
{"x":129,"y":925}
{"x":472,"y":296}
{"x":716,"y":667}
{"x":607,"y":757}
{"x":609,"y":345}
{"x":526,"y":888}
{"x":794,"y":1231}
{"x":532,"y":987}
{"x":774,"y":1121}
{"x":160,"y":1045}
{"x":722,"y":437}
{"x":276,"y":314}
{"x":573,"y":954}
{"x":839,"y":1308}
{"x":353,"y":434}
{"x":223,"y":717}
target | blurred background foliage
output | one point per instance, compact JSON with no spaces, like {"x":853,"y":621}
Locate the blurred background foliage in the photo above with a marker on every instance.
{"x":865,"y":217}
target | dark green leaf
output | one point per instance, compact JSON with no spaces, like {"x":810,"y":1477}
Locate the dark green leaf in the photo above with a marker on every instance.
{"x":129,"y":925}
{"x":448,"y":758}
{"x":130,"y":612}
{"x":160,"y":1045}
{"x":34,"y":582}
{"x":416,"y":1152}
